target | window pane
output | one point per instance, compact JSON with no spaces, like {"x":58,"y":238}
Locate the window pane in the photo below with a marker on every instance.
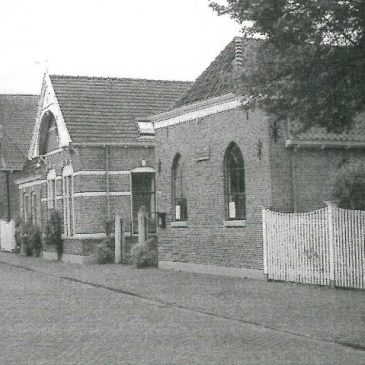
{"x":235,"y":183}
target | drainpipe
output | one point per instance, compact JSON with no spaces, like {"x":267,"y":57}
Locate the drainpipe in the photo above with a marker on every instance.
{"x":8,"y":194}
{"x":107,"y":179}
{"x":293,"y":181}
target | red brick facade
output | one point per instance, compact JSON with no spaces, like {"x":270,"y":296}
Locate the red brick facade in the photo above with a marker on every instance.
{"x":286,"y":179}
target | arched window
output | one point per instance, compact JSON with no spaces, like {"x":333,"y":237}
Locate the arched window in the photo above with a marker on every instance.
{"x":234,"y":172}
{"x":51,"y":189}
{"x":48,"y":134}
{"x":179,"y":202}
{"x":68,"y":202}
{"x":34,"y":208}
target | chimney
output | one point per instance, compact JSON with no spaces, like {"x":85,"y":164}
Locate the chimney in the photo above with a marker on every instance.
{"x":238,"y":56}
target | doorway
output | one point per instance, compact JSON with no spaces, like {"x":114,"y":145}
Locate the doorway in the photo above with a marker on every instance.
{"x":143,"y":193}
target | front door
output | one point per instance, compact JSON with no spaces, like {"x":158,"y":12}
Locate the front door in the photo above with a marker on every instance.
{"x":143,"y":193}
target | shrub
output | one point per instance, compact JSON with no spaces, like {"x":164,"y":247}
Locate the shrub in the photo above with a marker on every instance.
{"x":35,"y":241}
{"x":27,"y":236}
{"x":349,"y":186}
{"x":104,"y":253}
{"x":53,"y":232}
{"x":144,"y":255}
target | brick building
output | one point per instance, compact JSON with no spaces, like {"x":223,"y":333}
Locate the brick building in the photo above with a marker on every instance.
{"x":17,"y":114}
{"x":220,"y":162}
{"x":91,"y":155}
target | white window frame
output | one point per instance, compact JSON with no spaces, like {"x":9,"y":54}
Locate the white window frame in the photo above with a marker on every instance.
{"x":68,"y":200}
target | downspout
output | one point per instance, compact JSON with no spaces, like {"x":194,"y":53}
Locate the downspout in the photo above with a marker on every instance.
{"x":8,"y":194}
{"x":107,"y":180}
{"x":293,"y":181}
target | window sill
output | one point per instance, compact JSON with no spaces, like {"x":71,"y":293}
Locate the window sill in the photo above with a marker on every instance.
{"x":179,"y":224}
{"x":235,"y":223}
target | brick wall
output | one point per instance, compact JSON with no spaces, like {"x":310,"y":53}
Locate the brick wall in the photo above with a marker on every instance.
{"x":206,"y":240}
{"x":91,"y":212}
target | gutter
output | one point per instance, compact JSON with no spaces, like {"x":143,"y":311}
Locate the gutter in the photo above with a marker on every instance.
{"x":323,"y":144}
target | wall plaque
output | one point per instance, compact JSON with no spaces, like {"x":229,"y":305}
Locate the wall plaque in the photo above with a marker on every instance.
{"x":202,"y":153}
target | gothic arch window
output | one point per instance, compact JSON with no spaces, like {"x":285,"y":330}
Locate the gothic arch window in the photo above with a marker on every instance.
{"x":48,"y":134}
{"x":179,"y":201}
{"x":68,"y":200}
{"x":235,"y":192}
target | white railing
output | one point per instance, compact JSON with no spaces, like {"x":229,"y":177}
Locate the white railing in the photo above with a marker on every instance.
{"x":324,"y":247}
{"x":7,"y":239}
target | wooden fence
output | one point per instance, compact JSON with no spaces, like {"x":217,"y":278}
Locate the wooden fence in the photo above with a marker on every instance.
{"x":325,"y":247}
{"x":7,"y":239}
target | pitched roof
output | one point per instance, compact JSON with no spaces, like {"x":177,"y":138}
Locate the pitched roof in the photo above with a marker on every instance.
{"x":319,"y":134}
{"x":239,"y":55}
{"x":17,"y":116}
{"x":216,"y":79}
{"x":98,"y":109}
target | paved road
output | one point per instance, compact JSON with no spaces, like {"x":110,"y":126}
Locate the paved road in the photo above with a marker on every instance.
{"x":45,"y":319}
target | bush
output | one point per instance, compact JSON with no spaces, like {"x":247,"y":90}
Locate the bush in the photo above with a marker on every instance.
{"x":53,"y":232}
{"x":349,"y":186}
{"x":35,"y":241}
{"x":144,"y":255}
{"x":104,"y":252}
{"x":29,"y":237}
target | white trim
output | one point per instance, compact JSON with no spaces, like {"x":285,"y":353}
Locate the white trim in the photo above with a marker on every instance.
{"x":53,"y":152}
{"x":86,"y":236}
{"x":32,"y":183}
{"x":51,"y":175}
{"x":102,"y":193}
{"x":182,"y":115}
{"x":179,"y":224}
{"x":143,"y":170}
{"x":213,"y":270}
{"x":48,"y":103}
{"x":99,"y":172}
{"x":235,"y":223}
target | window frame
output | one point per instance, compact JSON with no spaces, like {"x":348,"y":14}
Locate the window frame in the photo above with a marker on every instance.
{"x":183,"y":212}
{"x":238,"y":196}
{"x":68,"y":201}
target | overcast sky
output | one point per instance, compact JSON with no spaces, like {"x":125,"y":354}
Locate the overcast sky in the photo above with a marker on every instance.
{"x":156,"y":39}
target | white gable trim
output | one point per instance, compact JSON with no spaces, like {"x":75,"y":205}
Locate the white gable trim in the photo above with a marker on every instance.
{"x":197,"y":110}
{"x":48,"y":103}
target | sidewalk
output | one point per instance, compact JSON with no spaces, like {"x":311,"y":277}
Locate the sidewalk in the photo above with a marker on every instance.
{"x":335,"y":315}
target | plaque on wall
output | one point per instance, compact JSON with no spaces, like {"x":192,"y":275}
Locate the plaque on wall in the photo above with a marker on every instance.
{"x":202,"y":153}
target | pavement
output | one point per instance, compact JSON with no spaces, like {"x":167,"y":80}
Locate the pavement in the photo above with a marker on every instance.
{"x":240,"y":321}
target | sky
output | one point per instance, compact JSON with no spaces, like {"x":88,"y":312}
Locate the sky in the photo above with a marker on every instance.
{"x":153,"y":39}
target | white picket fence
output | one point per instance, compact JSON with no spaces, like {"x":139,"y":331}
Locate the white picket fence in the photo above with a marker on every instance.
{"x":325,"y":247}
{"x":7,"y":239}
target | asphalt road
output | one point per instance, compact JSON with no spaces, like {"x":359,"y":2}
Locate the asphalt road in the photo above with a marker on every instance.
{"x":45,"y":319}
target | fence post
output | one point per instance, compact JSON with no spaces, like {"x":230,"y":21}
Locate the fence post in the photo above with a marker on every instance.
{"x":331,"y":211}
{"x":264,"y":239}
{"x":141,"y":225}
{"x":118,"y":240}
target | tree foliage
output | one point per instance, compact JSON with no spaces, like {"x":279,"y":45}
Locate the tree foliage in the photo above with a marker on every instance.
{"x":310,"y":66}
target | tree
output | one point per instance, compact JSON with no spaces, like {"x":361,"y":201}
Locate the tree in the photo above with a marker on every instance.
{"x":349,"y":186}
{"x":310,"y":66}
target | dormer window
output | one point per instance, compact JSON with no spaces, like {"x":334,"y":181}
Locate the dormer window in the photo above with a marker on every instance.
{"x":145,"y":128}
